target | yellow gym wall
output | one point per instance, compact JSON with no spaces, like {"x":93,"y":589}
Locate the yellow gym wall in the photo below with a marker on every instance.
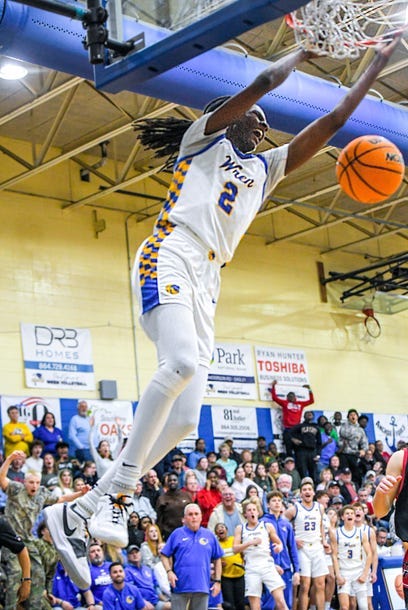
{"x":55,"y":271}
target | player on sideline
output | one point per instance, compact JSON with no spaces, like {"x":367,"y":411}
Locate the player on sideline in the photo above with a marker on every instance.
{"x":369,"y":530}
{"x":351,"y":560}
{"x":253,"y":540}
{"x":394,"y":485}
{"x":307,"y":518}
{"x":217,"y":188}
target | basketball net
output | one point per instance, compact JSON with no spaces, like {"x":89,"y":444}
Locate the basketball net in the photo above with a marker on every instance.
{"x":341,"y":28}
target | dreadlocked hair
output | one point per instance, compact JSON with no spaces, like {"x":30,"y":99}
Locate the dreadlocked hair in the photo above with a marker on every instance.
{"x":162,"y":135}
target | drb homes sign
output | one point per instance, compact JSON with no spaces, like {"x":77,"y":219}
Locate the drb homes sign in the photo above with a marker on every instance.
{"x":57,"y":357}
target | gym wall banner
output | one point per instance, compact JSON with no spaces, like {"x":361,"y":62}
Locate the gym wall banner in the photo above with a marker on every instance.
{"x":287,"y":366}
{"x":232,"y":372}
{"x":57,"y":357}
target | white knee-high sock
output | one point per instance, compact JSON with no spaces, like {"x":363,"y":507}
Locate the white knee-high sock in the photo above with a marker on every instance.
{"x":181,"y":421}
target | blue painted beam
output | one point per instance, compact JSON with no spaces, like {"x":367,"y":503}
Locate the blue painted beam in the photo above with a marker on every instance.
{"x":176,"y":48}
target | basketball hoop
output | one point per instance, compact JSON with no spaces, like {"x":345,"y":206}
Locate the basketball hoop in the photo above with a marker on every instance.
{"x":341,"y":28}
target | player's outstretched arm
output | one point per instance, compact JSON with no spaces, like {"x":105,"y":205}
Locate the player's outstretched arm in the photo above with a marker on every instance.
{"x":311,"y":139}
{"x":388,"y":486}
{"x":266,"y":81}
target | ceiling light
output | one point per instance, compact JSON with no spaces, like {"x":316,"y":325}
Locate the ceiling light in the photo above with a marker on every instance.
{"x":12,"y":71}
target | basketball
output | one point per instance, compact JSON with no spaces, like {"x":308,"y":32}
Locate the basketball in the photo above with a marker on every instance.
{"x":370,"y":169}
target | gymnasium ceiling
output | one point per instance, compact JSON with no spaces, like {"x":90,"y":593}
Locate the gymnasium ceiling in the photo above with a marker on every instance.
{"x":66,"y":123}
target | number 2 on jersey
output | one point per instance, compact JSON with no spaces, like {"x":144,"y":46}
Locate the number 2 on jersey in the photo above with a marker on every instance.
{"x":227,"y":197}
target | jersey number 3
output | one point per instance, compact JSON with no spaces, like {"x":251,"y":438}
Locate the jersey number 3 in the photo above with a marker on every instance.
{"x":227,"y":197}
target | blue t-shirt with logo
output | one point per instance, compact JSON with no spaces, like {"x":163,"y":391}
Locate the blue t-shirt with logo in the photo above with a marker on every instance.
{"x":128,"y":598}
{"x":192,"y":554}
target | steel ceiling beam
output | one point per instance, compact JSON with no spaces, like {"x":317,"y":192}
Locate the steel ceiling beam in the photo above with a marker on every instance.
{"x":207,"y":33}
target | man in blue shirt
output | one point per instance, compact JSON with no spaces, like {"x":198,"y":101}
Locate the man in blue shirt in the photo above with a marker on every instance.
{"x":288,"y":559}
{"x":99,"y":571}
{"x":187,"y":557}
{"x":78,"y":434}
{"x":144,"y":579}
{"x":121,"y":595}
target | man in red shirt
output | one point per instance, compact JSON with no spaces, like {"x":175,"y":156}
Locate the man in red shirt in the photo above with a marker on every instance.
{"x":292,"y":410}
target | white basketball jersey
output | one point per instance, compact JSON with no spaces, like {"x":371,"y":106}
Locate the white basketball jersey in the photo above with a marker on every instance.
{"x":307,"y":523}
{"x":217,"y":190}
{"x":350,"y":549}
{"x":260,"y":552}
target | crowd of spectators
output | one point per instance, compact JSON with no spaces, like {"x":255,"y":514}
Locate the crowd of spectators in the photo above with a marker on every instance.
{"x":44,"y":468}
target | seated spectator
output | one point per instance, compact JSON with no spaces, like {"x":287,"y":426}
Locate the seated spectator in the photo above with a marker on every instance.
{"x":201,"y":471}
{"x":49,"y":475}
{"x":226,"y":462}
{"x":245,"y":456}
{"x":337,"y":502}
{"x":228,"y":512}
{"x":100,"y":575}
{"x":262,"y":479}
{"x":78,"y":483}
{"x":16,"y":470}
{"x":240,"y":483}
{"x":151,"y":487}
{"x":325,"y":477}
{"x":289,"y":467}
{"x":122,"y":594}
{"x":333,"y":489}
{"x":347,"y":487}
{"x":209,"y":496}
{"x":65,"y":485}
{"x":152,"y":545}
{"x":177,"y":466}
{"x":64,"y":460}
{"x":366,"y":462}
{"x":284,"y":485}
{"x":272,"y":453}
{"x":198,"y":453}
{"x":212,"y":458}
{"x":89,"y":473}
{"x":48,"y":433}
{"x":17,"y":435}
{"x":34,"y":463}
{"x":364,"y":496}
{"x":234,"y":455}
{"x":145,"y":521}
{"x":249,"y":468}
{"x":260,"y":454}
{"x":136,"y":535}
{"x":254,"y":494}
{"x":380,"y":454}
{"x":101,"y":453}
{"x":274,"y":471}
{"x":334,"y":465}
{"x":65,"y":594}
{"x":191,"y":484}
{"x":143,"y":577}
{"x":383,"y":549}
{"x":141,"y":504}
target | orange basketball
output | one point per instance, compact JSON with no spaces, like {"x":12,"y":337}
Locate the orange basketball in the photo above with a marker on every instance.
{"x":370,"y":169}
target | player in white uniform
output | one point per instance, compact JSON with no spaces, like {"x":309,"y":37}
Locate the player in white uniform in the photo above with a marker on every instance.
{"x":322,"y":497}
{"x":253,"y":540}
{"x":217,"y":188}
{"x":351,"y":559}
{"x":307,"y":519}
{"x":360,"y":522}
